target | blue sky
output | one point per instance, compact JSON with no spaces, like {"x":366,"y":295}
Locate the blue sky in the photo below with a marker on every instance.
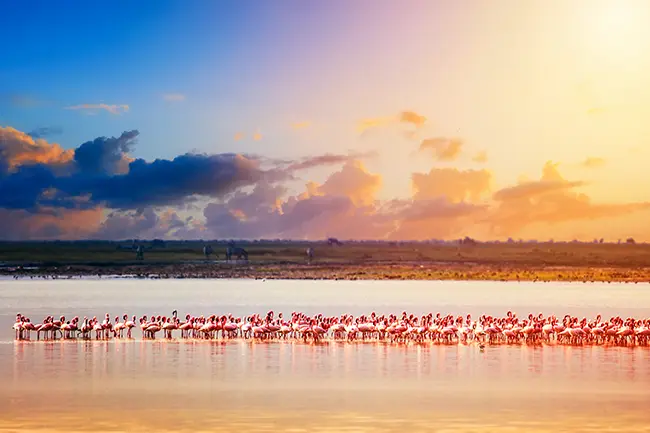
{"x":514,"y":92}
{"x":236,"y":63}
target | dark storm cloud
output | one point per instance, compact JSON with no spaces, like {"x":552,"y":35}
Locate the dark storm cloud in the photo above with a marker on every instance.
{"x":167,"y":182}
{"x":102,"y":174}
{"x":22,"y":189}
{"x":105,"y":155}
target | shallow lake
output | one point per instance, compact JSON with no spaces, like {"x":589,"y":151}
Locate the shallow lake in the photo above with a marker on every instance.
{"x":290,"y":386}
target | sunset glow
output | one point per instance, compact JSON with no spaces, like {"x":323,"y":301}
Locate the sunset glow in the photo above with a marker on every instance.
{"x":415,"y":120}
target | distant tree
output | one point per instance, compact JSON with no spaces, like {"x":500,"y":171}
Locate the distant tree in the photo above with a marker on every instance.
{"x":602,"y":241}
{"x":630,"y":241}
{"x":158,"y":243}
{"x":467,"y":241}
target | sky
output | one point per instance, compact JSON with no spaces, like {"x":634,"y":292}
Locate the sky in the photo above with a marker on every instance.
{"x":418,"y":119}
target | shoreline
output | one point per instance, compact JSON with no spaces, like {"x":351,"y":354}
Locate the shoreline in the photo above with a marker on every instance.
{"x":424,"y":270}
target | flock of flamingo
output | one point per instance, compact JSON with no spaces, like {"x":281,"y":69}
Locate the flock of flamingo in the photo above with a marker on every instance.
{"x":438,"y":328}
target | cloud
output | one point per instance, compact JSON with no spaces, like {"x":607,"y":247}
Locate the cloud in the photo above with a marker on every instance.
{"x":18,"y":148}
{"x":301,"y":125}
{"x":481,"y":157}
{"x":593,"y":162}
{"x":550,"y":200}
{"x":45,"y":131}
{"x":145,"y":223}
{"x":94,"y":108}
{"x":256,"y":136}
{"x":444,"y":149}
{"x":336,"y":208}
{"x":167,"y":182}
{"x":435,"y":218}
{"x":413,"y":118}
{"x":99,"y":190}
{"x":106,"y":155}
{"x":174,"y":97}
{"x":70,"y":224}
{"x":456,"y":185}
{"x":405,"y":117}
{"x":100,"y":173}
{"x":354,"y":182}
{"x":26,"y":101}
{"x":327,"y":159}
{"x":534,"y":189}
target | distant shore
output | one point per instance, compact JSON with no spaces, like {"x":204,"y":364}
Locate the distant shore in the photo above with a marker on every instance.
{"x":516,"y":261}
{"x":461,"y":271}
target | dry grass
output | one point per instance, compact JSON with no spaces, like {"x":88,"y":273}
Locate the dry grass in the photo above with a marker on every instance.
{"x":506,"y":261}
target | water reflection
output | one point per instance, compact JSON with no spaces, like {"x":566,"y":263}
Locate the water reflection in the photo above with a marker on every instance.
{"x":130,"y":385}
{"x":425,"y":381}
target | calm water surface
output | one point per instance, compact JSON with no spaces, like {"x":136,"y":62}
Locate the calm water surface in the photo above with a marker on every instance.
{"x":285,"y":386}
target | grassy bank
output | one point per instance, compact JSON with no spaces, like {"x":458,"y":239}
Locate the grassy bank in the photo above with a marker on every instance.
{"x":482,"y":261}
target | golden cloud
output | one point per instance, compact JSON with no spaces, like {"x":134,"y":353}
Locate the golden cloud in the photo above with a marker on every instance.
{"x":444,"y":149}
{"x":481,"y":157}
{"x":353,"y":181}
{"x":405,"y":117}
{"x":18,"y":148}
{"x":456,"y":185}
{"x":550,"y":200}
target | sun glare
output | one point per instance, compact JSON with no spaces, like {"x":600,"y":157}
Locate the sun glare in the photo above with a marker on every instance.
{"x":617,"y":28}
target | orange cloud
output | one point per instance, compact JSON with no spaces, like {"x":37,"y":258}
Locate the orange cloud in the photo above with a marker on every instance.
{"x":550,"y":200}
{"x":435,"y":219}
{"x":257,"y":136}
{"x":367,"y":124}
{"x":405,"y":117}
{"x":480,"y":157}
{"x":312,"y":189}
{"x":18,"y":148}
{"x":445,"y":149}
{"x":451,"y":183}
{"x":301,"y":125}
{"x":353,"y":181}
{"x":412,"y":118}
{"x":445,"y":203}
{"x":49,"y":224}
